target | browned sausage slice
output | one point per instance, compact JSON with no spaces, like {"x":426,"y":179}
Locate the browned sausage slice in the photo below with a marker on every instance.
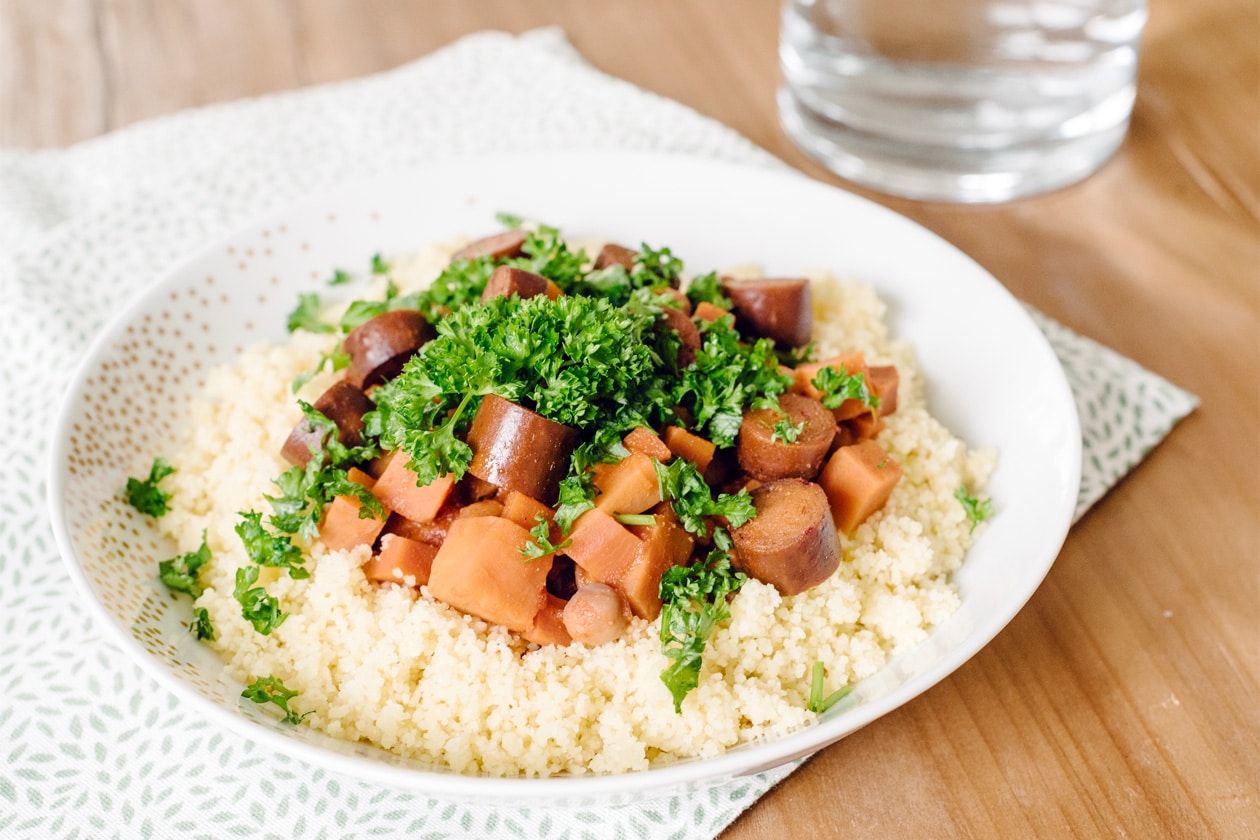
{"x":678,"y":321}
{"x":380,"y":346}
{"x":791,"y":543}
{"x":780,"y":309}
{"x":343,"y":404}
{"x":615,"y":255}
{"x":518,"y":449}
{"x":510,"y":243}
{"x":509,"y":280}
{"x":765,"y":455}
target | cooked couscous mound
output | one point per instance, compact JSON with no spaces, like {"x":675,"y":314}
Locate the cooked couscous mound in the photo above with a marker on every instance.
{"x":391,"y":666}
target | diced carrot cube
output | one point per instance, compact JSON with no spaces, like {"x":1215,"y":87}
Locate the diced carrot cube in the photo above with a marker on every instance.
{"x":630,"y":486}
{"x":694,"y":448}
{"x":397,"y":490}
{"x":343,"y":528}
{"x":642,"y":439}
{"x":401,"y":561}
{"x":524,"y":510}
{"x":602,"y":546}
{"x":549,"y":626}
{"x":480,"y":570}
{"x":858,"y":480}
{"x":553,"y":291}
{"x":664,"y":545}
{"x":360,"y":478}
{"x":706,"y":311}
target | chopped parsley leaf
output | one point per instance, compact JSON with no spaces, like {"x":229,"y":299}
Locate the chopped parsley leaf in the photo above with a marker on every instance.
{"x":509,"y":220}
{"x":257,"y":607}
{"x":787,"y":431}
{"x":271,"y":690}
{"x":707,"y":289}
{"x":977,"y":510}
{"x":306,"y":315}
{"x":145,"y":496}
{"x":693,"y":602}
{"x":692,"y":500}
{"x":339,"y":278}
{"x":838,"y":385}
{"x":379,"y":265}
{"x":635,"y":518}
{"x":180,"y":573}
{"x":541,"y":545}
{"x":267,"y":549}
{"x":201,"y":626}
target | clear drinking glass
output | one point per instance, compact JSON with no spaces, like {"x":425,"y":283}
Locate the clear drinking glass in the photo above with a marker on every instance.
{"x":959,"y":100}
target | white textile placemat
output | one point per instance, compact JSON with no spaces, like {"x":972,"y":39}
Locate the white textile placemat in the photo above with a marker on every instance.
{"x":90,"y":746}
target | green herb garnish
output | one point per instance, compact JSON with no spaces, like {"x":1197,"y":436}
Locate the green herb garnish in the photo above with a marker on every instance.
{"x":201,"y":626}
{"x":787,"y":431}
{"x":509,"y":220}
{"x":271,"y":690}
{"x":541,"y":545}
{"x":693,"y":602}
{"x":977,"y":510}
{"x":692,"y":499}
{"x":817,"y":703}
{"x":838,"y":385}
{"x":635,"y":518}
{"x":180,"y":573}
{"x":306,"y":315}
{"x":268,"y":549}
{"x":379,"y":265}
{"x":707,"y":289}
{"x":340,"y":278}
{"x":145,"y":496}
{"x":257,"y":607}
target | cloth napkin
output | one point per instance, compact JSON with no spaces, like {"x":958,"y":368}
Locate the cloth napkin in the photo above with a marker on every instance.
{"x":90,"y":746}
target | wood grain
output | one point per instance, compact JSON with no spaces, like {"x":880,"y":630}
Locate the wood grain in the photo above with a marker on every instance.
{"x":1124,"y":700}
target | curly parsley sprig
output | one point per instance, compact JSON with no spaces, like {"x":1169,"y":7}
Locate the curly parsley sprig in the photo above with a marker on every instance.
{"x":272,"y":690}
{"x":145,"y":495}
{"x":180,"y":573}
{"x":694,"y":600}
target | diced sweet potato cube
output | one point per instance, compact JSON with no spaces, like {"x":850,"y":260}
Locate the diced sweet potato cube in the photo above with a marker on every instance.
{"x":642,"y":439}
{"x":548,"y":628}
{"x":883,"y":383}
{"x":629,"y":486}
{"x":401,"y":561}
{"x":480,"y":570}
{"x":694,"y":448}
{"x":343,"y":528}
{"x":864,"y":427}
{"x":664,"y":545}
{"x":397,"y":490}
{"x":602,"y":546}
{"x":852,"y":364}
{"x":858,"y":480}
{"x":524,"y":510}
{"x":706,"y":311}
{"x":553,"y":291}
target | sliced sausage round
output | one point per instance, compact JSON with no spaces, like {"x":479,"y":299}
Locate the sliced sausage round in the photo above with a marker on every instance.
{"x":343,"y":404}
{"x":615,"y":255}
{"x":780,"y":309}
{"x":510,"y":243}
{"x":518,"y":449}
{"x":764,"y":452}
{"x":508,"y":280}
{"x":596,"y":614}
{"x":688,"y":334}
{"x":791,"y":543}
{"x":380,"y":346}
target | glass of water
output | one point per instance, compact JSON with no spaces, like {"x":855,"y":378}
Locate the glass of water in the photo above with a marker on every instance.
{"x":959,"y":100}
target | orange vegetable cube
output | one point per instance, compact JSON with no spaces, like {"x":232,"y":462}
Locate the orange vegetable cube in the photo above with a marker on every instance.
{"x":602,"y":546}
{"x":706,"y":311}
{"x":629,"y":486}
{"x":402,"y":561}
{"x":480,"y":570}
{"x":664,"y":545}
{"x":549,"y":626}
{"x":853,"y":364}
{"x":858,"y":480}
{"x":694,"y":448}
{"x":643,"y":439}
{"x":397,"y":490}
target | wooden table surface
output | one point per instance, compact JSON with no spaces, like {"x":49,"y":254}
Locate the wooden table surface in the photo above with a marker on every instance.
{"x":1123,"y":700}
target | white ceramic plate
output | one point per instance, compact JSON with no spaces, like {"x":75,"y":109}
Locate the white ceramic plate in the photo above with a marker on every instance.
{"x":992,"y":377}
